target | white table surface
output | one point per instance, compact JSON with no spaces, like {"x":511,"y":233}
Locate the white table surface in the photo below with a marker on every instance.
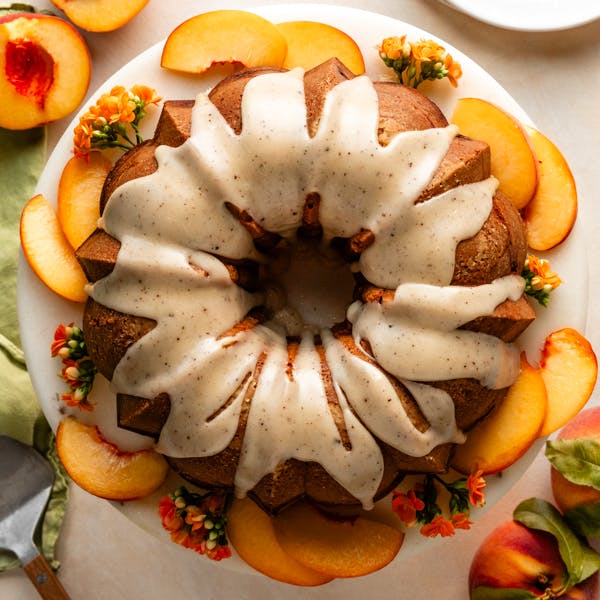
{"x":555,"y":77}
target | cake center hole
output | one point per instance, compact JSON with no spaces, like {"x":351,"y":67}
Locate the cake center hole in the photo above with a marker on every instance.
{"x":315,"y":286}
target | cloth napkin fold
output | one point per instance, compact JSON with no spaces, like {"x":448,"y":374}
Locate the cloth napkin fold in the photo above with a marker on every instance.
{"x":22,"y":157}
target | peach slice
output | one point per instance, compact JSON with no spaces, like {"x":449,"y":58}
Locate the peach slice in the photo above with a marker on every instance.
{"x":100,"y":468}
{"x":551,"y":214}
{"x":100,"y":15}
{"x":48,"y":251}
{"x":79,"y":192}
{"x":44,"y":69}
{"x":569,"y":368}
{"x":338,"y":547}
{"x":513,"y":159}
{"x":251,"y":532}
{"x":223,"y":36}
{"x":310,"y":43}
{"x":511,"y":428}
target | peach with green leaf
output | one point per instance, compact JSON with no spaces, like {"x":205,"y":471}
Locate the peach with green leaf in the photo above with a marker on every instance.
{"x":575,"y":473}
{"x":45,"y":69}
{"x":536,"y":555}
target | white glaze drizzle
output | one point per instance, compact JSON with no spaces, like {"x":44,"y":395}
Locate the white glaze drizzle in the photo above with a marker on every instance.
{"x":171,"y":221}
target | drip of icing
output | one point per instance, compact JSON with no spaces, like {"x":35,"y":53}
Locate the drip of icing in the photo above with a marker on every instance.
{"x":171,"y":222}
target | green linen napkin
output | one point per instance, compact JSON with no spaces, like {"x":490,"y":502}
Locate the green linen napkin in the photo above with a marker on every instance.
{"x":22,"y":156}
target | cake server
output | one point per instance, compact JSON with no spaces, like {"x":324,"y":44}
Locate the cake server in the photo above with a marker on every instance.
{"x":25,"y":484}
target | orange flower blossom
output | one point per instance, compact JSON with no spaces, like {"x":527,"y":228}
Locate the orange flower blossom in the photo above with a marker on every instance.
{"x":197,"y":521}
{"x":78,"y":369}
{"x":105,"y":123}
{"x":438,"y":526}
{"x":475,"y":485}
{"x":415,"y":62}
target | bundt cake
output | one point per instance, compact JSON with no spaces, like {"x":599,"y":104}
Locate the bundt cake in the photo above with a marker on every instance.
{"x":242,"y":197}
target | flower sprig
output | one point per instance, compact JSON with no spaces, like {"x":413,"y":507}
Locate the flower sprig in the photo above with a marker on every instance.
{"x":420,"y":505}
{"x":539,"y":279}
{"x":114,"y":120}
{"x":420,"y":61}
{"x":197,"y":521}
{"x":78,"y":369}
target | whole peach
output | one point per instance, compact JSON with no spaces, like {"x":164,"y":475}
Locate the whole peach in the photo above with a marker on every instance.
{"x":570,"y":495}
{"x":516,"y":557}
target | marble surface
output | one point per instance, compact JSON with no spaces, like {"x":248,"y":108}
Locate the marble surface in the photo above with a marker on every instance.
{"x":556,"y":79}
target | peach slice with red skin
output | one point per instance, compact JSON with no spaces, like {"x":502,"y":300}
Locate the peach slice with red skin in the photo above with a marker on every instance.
{"x":513,"y":159}
{"x":337,"y":547}
{"x":310,"y":43}
{"x":48,"y":251}
{"x":103,"y":470}
{"x":44,"y":69}
{"x":252,"y":534}
{"x":551,"y":214}
{"x":223,"y":36}
{"x":569,"y":495}
{"x":100,"y":15}
{"x":511,"y":428}
{"x":79,"y":189}
{"x":569,"y":368}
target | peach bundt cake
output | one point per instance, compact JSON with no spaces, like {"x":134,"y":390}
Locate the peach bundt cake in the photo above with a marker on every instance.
{"x":305,"y":285}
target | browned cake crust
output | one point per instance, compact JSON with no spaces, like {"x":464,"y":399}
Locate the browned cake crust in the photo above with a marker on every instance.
{"x":497,"y":250}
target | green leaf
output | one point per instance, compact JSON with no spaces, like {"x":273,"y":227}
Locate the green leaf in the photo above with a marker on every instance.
{"x":490,"y":593}
{"x":17,"y":7}
{"x":577,"y":460}
{"x":591,"y":562}
{"x":539,"y":514}
{"x":585,"y":520}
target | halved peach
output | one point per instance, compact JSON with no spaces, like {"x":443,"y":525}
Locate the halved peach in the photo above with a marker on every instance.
{"x":310,"y":43}
{"x":100,"y":468}
{"x":79,"y":190}
{"x":569,"y":368}
{"x":551,"y":214}
{"x":338,"y":547}
{"x":511,"y":428}
{"x":513,"y":159}
{"x":100,"y":15}
{"x":251,"y":532}
{"x":44,"y":69}
{"x":48,"y":251}
{"x":223,"y":36}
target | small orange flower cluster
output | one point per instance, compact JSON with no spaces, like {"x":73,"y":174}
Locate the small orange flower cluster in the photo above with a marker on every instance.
{"x":419,"y":506}
{"x":539,"y":279}
{"x":417,"y":62}
{"x":78,"y":370}
{"x":104,"y":125}
{"x":197,"y":521}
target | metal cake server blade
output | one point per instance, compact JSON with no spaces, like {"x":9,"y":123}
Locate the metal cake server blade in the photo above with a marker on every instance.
{"x":26,"y":480}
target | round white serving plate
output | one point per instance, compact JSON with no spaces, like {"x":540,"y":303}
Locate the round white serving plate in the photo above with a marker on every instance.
{"x":40,"y":310}
{"x":530,"y":15}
